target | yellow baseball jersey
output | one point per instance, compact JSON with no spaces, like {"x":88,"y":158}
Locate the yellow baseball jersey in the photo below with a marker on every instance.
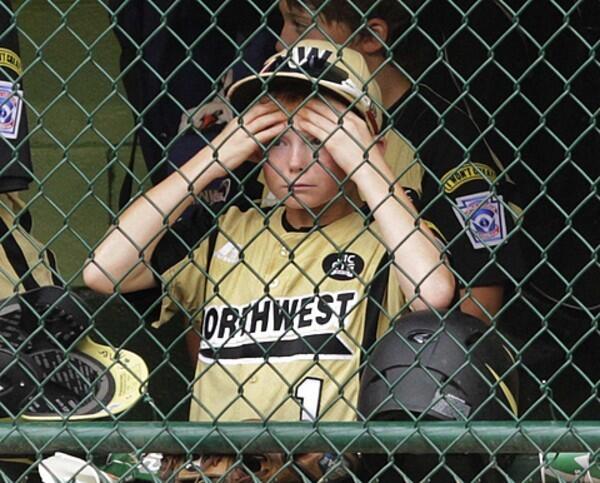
{"x":400,"y":157}
{"x":285,"y":316}
{"x":24,"y":262}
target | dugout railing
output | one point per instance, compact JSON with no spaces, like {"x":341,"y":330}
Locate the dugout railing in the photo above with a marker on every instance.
{"x":105,"y":86}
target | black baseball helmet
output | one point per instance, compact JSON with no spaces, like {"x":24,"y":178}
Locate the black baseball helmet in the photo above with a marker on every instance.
{"x":51,"y":369}
{"x":448,"y":366}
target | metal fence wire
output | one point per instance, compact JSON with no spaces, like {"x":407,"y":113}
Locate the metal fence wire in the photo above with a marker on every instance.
{"x":299,"y":240}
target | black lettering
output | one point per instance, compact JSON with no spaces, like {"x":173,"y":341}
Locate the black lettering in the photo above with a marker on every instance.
{"x":305,"y":309}
{"x":229,"y":317}
{"x":210,"y":323}
{"x":284,"y":311}
{"x":257,"y":315}
{"x":324,"y":305}
{"x":344,"y":298}
{"x":244,"y":313}
{"x":325,"y":55}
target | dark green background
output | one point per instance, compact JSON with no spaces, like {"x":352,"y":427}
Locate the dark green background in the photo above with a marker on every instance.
{"x":80,"y":126}
{"x":79,"y":119}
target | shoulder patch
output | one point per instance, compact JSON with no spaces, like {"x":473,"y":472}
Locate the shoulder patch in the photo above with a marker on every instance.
{"x":11,"y":105}
{"x":10,"y":59}
{"x":455,"y":178}
{"x":343,"y":266}
{"x":413,"y":195}
{"x":482,"y":216}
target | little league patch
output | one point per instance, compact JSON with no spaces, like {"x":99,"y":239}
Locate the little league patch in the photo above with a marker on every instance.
{"x":11,"y":105}
{"x":482,"y":215}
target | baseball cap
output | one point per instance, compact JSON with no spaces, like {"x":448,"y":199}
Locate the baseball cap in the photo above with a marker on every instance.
{"x":339,"y":70}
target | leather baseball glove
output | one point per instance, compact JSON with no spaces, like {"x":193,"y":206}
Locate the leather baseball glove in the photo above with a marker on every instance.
{"x":267,"y":467}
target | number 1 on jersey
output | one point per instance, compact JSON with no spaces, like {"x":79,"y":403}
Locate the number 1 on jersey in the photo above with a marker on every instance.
{"x":308,"y":393}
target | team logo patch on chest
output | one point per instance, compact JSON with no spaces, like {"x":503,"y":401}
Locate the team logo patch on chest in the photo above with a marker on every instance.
{"x":343,"y":266}
{"x":482,"y":215}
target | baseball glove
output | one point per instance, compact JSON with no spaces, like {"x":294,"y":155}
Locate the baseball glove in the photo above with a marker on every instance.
{"x":267,"y":467}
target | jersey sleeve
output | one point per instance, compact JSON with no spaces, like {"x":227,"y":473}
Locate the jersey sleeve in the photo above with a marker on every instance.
{"x":15,"y":156}
{"x":469,"y":204}
{"x":179,"y":263}
{"x":395,"y":304}
{"x":182,"y":238}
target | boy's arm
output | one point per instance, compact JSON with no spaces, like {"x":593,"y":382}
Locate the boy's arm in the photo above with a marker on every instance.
{"x":423,"y":276}
{"x":122,"y":260}
{"x":422,"y":273}
{"x":483,"y":302}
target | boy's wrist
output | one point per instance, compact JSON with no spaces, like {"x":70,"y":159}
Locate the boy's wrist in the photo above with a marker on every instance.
{"x":372,"y":175}
{"x":201,"y":170}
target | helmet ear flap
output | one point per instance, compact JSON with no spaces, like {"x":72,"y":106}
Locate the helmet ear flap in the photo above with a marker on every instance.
{"x":18,"y":382}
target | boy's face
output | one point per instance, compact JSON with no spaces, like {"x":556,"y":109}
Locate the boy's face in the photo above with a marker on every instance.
{"x":298,"y":165}
{"x":297,"y":22}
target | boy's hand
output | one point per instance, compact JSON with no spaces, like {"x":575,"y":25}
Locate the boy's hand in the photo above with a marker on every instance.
{"x":343,"y":133}
{"x":245,"y":137}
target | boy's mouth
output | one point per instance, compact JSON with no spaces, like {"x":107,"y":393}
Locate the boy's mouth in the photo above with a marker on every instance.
{"x":300,"y":186}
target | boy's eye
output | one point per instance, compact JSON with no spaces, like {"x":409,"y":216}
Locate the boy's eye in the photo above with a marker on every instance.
{"x":300,"y":28}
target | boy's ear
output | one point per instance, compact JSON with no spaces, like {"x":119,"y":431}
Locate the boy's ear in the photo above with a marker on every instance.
{"x":374,"y":37}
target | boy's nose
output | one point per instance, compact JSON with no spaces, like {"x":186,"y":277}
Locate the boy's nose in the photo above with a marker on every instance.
{"x":300,"y":156}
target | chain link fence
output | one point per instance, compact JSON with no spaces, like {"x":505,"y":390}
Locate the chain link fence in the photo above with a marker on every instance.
{"x":310,"y":365}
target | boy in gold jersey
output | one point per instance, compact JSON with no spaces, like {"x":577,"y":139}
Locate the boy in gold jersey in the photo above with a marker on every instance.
{"x":286,"y":301}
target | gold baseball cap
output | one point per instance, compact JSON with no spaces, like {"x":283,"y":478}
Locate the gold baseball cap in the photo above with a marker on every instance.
{"x":340,"y":70}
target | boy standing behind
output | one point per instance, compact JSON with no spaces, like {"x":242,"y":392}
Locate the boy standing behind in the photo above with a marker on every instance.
{"x":465,"y":195}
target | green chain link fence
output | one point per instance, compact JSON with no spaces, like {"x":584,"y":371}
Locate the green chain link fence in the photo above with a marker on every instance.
{"x":110,"y":89}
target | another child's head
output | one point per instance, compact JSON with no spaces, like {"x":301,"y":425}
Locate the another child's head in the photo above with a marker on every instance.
{"x":300,"y":170}
{"x":372,"y":27}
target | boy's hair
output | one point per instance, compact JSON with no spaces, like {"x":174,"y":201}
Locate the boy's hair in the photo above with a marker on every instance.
{"x":301,"y":92}
{"x":354,"y":12}
{"x":410,"y":49}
